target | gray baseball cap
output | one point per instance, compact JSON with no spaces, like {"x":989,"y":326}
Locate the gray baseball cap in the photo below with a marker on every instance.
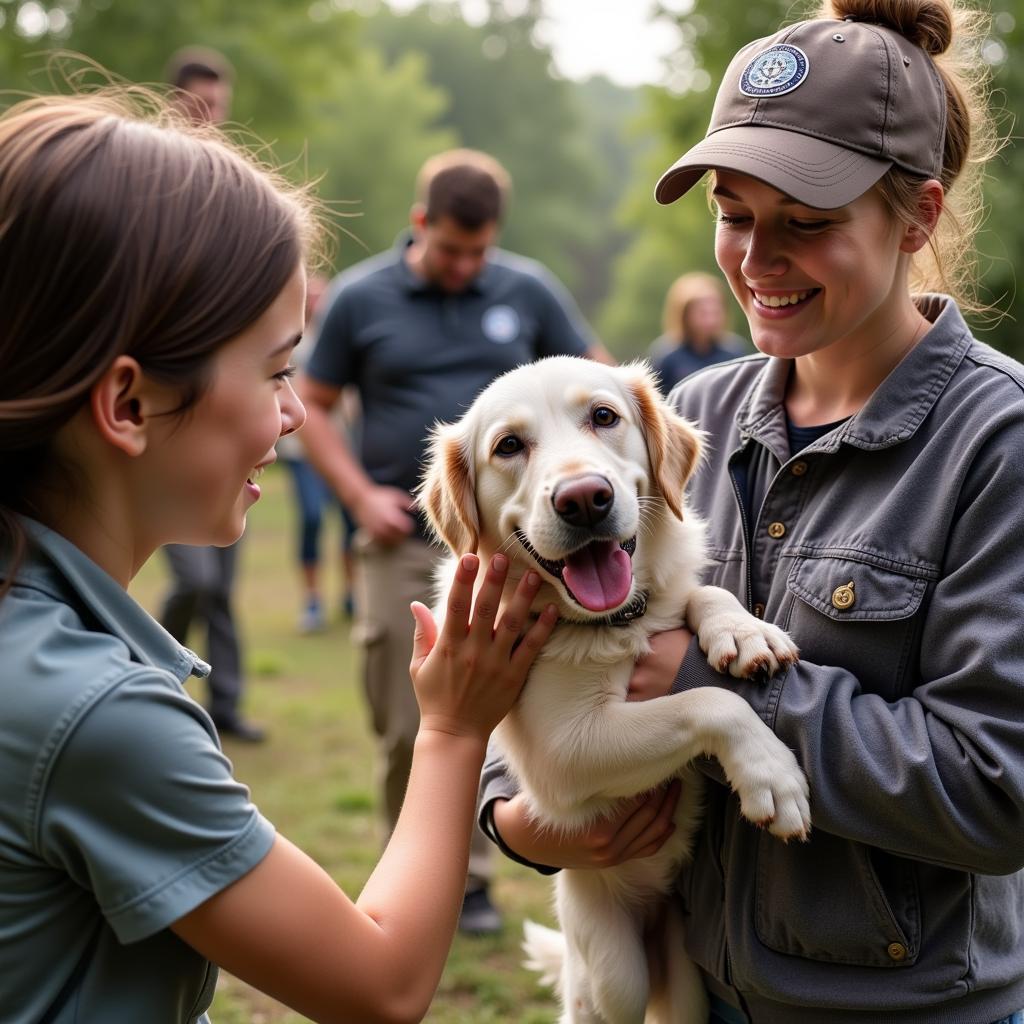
{"x":821,"y":110}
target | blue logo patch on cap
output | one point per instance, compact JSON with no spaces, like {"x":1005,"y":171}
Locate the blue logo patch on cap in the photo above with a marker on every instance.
{"x":775,"y":71}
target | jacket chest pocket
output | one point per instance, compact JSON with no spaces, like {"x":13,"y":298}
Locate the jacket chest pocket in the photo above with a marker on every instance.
{"x":859,"y":616}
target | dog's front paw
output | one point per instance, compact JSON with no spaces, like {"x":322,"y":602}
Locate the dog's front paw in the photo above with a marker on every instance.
{"x":771,"y":786}
{"x":743,"y":646}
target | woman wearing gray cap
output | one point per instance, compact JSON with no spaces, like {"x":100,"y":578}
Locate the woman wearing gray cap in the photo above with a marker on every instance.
{"x":865,"y":492}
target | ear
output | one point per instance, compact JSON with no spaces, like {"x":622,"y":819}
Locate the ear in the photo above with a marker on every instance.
{"x":446,"y":494}
{"x":673,"y":444}
{"x":418,"y":217}
{"x":120,"y":402}
{"x":932,"y":201}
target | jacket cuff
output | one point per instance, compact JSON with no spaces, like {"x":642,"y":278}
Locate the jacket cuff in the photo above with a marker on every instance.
{"x":761,"y":692}
{"x":489,"y":829}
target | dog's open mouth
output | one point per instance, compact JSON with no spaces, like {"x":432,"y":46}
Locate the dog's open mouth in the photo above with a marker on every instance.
{"x":597,"y":576}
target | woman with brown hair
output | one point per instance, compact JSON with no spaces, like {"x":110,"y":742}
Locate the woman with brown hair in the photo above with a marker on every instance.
{"x":864,"y":492}
{"x":151,"y":294}
{"x":694,"y":330}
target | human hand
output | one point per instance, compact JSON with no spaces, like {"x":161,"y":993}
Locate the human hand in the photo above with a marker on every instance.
{"x":638,"y":828}
{"x":467,"y":679}
{"x":655,"y":672}
{"x":385,"y":513}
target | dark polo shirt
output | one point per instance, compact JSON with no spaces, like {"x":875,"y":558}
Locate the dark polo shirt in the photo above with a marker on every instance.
{"x":419,"y":355}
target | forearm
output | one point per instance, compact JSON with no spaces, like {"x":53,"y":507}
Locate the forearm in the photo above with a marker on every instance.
{"x":868,"y":759}
{"x":331,"y":455}
{"x":414,"y":894}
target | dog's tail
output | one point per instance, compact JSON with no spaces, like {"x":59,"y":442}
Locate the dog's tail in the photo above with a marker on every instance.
{"x":545,"y":952}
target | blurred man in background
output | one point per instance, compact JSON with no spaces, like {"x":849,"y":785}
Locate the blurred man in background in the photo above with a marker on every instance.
{"x":419,"y":331}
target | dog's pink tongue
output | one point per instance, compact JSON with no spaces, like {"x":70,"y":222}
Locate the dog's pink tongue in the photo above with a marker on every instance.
{"x":599,"y":575}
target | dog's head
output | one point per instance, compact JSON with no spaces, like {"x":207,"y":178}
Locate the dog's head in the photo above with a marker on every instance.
{"x":568,"y":466}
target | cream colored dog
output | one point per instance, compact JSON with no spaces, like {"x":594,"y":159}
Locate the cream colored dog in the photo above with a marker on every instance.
{"x":577,"y":470}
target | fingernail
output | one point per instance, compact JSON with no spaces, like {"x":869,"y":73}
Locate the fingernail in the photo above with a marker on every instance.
{"x":469,"y":562}
{"x":551,"y":612}
{"x":499,"y":562}
{"x":533,"y":579}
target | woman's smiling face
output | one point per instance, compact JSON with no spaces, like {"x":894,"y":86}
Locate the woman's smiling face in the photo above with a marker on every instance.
{"x":807,"y":278}
{"x":202,"y":466}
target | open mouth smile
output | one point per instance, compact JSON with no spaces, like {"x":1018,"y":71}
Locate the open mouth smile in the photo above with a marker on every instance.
{"x":597,"y":576}
{"x":780,"y":301}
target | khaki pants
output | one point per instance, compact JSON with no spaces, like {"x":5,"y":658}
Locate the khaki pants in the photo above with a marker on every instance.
{"x":387,"y":579}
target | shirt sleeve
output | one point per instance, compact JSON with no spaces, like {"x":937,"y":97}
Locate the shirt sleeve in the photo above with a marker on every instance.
{"x":140,"y":807}
{"x":497,"y":784}
{"x":563,"y":330}
{"x":331,"y":357}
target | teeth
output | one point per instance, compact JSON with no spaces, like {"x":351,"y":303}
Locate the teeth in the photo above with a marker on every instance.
{"x":774,"y":301}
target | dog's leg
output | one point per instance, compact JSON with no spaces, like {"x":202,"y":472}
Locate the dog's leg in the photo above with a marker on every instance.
{"x":633,"y":746}
{"x":606,"y":963}
{"x":734,"y":640}
{"x":682,"y":999}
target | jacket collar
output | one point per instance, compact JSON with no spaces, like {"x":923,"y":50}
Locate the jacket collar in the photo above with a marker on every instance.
{"x":56,"y":567}
{"x":893,"y":413}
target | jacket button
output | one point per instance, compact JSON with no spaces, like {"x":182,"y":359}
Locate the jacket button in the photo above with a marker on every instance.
{"x":843,"y":597}
{"x":897,"y":951}
{"x":759,"y":610}
{"x":776,"y":530}
{"x":798,"y":468}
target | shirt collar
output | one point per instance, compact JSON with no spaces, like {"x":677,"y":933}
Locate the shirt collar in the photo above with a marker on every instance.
{"x":55,"y":566}
{"x":900,"y":403}
{"x":415,"y":284}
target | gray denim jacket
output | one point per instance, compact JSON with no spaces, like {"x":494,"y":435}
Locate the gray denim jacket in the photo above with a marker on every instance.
{"x":892,"y":549}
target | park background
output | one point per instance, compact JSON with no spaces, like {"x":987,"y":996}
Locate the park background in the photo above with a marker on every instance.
{"x":356,"y":94}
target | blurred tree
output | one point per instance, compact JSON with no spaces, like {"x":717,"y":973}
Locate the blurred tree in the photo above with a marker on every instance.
{"x":506,"y":101}
{"x":667,"y":242}
{"x":325,"y":106}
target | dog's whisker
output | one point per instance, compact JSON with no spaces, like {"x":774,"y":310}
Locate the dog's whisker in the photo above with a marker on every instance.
{"x":507,"y":543}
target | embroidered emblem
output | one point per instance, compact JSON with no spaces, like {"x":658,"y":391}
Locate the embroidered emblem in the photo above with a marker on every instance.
{"x":775,"y":71}
{"x":500,"y":324}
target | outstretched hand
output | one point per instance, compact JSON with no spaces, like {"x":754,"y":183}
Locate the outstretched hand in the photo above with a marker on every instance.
{"x":468,"y":676}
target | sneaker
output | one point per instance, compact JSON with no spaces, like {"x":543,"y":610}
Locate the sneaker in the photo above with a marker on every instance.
{"x":312,"y":618}
{"x":479,"y":915}
{"x":236,"y":728}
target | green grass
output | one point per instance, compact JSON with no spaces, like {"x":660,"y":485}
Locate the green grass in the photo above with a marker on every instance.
{"x":314,"y":778}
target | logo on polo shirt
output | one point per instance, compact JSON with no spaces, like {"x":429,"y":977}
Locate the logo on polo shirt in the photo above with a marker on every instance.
{"x":775,"y":71}
{"x":500,"y":324}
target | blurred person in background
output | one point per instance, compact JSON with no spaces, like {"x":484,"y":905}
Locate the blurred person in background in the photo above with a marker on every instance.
{"x":419,"y":331}
{"x":203,"y":80}
{"x":694,"y":330}
{"x":203,"y":578}
{"x":312,"y":498}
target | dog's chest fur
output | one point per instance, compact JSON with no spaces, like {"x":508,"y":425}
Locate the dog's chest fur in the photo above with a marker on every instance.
{"x":580,"y":670}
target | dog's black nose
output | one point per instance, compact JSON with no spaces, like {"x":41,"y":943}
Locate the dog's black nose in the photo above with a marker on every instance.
{"x":584,"y":501}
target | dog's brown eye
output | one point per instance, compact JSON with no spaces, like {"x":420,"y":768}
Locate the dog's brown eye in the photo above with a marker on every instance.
{"x":602,"y":416}
{"x":508,"y":445}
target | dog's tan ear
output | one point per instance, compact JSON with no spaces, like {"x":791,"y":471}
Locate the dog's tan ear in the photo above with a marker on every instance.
{"x":673,"y":444}
{"x":446,"y":494}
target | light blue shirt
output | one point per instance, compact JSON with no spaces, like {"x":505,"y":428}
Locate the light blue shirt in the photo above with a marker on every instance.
{"x":118,"y":810}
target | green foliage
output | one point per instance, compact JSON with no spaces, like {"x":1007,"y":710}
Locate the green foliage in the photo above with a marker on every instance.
{"x":328,"y":108}
{"x":504,"y":101}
